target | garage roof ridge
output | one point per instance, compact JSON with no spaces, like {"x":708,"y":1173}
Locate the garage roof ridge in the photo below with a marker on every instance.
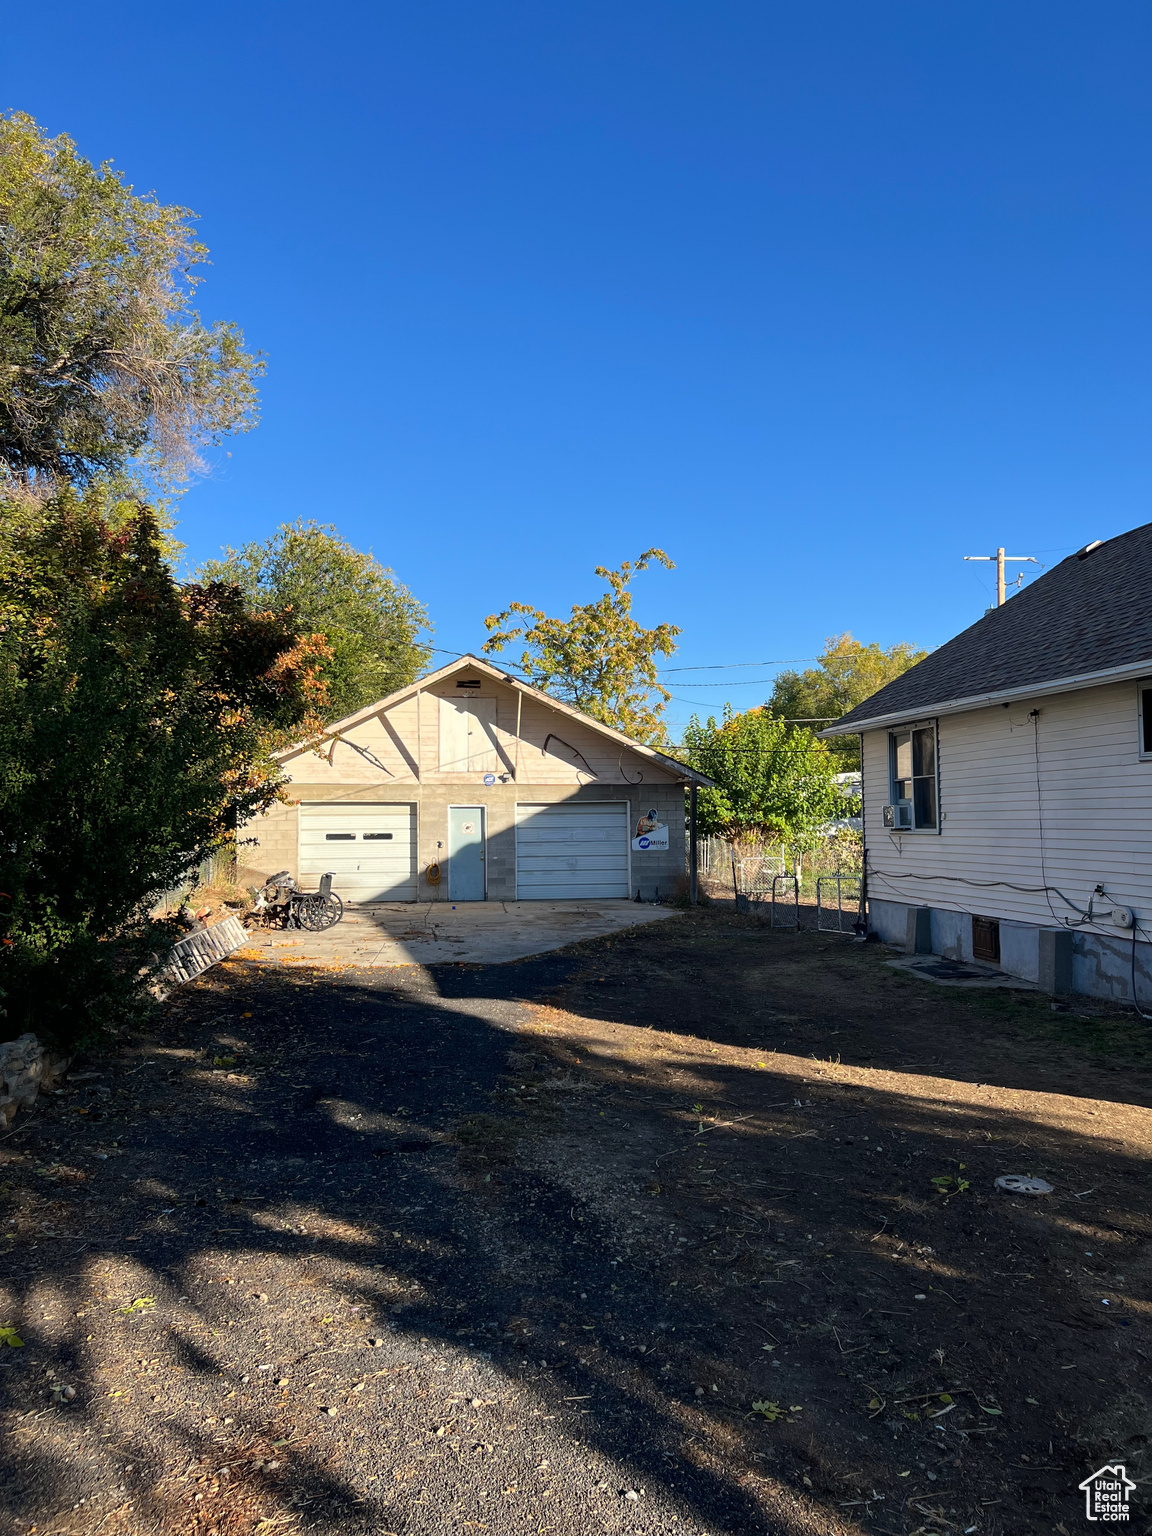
{"x":469,"y":662}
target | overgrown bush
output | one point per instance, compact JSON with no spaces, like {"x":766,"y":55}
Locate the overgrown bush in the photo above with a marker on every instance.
{"x":135,"y":721}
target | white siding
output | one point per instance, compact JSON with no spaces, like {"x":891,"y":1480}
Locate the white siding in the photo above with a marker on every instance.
{"x":1095,"y":792}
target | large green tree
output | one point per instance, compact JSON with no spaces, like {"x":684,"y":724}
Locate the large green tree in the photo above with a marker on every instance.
{"x":774,"y":782}
{"x":373,"y":625}
{"x":135,"y":717}
{"x":103,"y":358}
{"x":846,"y":674}
{"x":599,"y":659}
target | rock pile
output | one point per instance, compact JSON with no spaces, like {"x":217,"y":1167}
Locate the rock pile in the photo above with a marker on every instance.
{"x":25,"y":1068}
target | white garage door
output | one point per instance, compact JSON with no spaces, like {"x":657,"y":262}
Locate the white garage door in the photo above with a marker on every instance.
{"x":571,"y":850}
{"x":370,"y":849}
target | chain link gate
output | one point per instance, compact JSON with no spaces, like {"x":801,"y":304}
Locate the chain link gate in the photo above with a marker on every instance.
{"x":781,"y":893}
{"x":831,"y":919}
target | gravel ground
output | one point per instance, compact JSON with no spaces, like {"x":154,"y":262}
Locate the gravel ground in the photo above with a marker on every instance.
{"x":516,"y":1248}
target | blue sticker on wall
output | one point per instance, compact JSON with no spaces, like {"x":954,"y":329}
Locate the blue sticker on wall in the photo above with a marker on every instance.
{"x":489,"y":778}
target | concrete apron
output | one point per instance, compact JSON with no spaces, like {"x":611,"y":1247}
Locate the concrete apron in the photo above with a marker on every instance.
{"x":434,"y":933}
{"x":960,"y":973}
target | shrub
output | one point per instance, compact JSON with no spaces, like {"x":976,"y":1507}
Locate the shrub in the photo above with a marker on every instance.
{"x":135,"y":721}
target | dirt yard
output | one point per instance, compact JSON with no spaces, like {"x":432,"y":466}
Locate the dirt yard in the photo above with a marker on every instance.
{"x":688,"y":1230}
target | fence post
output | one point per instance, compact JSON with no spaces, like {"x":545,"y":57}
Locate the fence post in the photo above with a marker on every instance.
{"x":692,"y":872}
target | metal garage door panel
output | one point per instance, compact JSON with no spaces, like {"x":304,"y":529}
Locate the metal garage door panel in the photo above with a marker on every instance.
{"x":566,"y":851}
{"x":370,"y":849}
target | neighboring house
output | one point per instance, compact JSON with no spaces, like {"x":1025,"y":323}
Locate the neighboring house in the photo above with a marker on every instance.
{"x":1008,"y":783}
{"x":470,"y":785}
{"x":849,"y":785}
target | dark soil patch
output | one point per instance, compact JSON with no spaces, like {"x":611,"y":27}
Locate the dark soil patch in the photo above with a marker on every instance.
{"x":594,"y":1207}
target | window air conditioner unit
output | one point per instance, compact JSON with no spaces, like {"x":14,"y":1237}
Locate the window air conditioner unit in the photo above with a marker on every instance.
{"x":898,"y":816}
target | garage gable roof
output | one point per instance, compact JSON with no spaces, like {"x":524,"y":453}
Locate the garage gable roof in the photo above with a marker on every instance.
{"x":470,"y":663}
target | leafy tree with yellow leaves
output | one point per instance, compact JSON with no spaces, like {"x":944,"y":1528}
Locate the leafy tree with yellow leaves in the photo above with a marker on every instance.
{"x":846,"y":674}
{"x":601,"y":660}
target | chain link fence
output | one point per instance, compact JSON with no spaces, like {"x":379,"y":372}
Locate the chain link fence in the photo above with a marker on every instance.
{"x":780,"y":881}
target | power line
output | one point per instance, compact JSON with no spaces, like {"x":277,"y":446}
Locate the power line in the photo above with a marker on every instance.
{"x":724,"y":666}
{"x":748,"y":682}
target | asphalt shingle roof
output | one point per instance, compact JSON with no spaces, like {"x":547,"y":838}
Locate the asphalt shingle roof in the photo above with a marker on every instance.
{"x":1090,"y":613}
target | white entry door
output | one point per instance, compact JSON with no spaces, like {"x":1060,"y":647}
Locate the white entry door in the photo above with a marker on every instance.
{"x":370,"y":849}
{"x":565,"y":851}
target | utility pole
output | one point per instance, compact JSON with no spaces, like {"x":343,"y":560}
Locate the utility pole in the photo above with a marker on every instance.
{"x":1000,"y":557}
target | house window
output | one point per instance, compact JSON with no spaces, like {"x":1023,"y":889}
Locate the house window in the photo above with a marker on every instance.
{"x":1145,"y":697}
{"x":914,"y":778}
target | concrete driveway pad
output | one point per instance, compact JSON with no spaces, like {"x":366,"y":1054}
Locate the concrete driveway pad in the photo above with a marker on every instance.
{"x":432,"y":933}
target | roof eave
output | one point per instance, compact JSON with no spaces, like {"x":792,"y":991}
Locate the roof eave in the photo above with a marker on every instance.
{"x":1127,"y":673}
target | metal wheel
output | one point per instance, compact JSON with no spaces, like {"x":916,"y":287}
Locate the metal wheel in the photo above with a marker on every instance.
{"x":315,"y":913}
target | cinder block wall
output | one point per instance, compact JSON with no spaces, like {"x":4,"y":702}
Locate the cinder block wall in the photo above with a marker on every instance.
{"x":269,"y":843}
{"x":273,"y":839}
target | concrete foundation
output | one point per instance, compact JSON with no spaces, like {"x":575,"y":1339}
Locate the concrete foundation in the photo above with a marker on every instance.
{"x":1063,"y":961}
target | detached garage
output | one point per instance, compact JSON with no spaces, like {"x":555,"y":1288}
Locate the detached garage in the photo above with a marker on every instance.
{"x":572,"y":850}
{"x":471,"y":786}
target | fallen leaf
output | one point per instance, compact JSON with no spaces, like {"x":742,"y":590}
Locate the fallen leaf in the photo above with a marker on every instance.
{"x":773,"y":1411}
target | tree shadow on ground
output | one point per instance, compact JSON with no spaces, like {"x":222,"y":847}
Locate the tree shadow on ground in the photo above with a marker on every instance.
{"x":396,"y":1158}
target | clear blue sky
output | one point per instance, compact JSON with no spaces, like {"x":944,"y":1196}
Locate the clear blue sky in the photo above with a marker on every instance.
{"x":818,"y":297}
